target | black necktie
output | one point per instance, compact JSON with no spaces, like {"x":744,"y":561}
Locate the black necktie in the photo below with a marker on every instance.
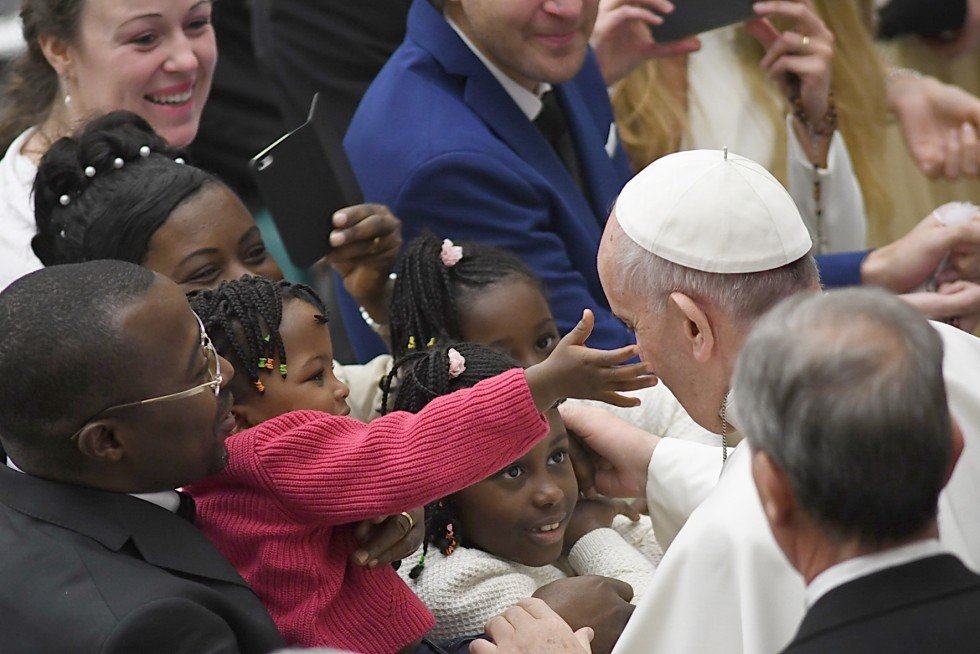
{"x":552,"y":124}
{"x":186,"y":509}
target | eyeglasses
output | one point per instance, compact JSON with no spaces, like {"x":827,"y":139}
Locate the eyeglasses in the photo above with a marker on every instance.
{"x":214,"y":371}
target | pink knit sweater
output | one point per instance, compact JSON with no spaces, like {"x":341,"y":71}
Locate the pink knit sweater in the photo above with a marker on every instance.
{"x":281,"y":510}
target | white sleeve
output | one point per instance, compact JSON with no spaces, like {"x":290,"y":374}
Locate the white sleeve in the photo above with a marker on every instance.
{"x":468,"y":587}
{"x":659,"y":413}
{"x":844,"y":224}
{"x":724,"y":586}
{"x":605,"y":552}
{"x":680,"y":477}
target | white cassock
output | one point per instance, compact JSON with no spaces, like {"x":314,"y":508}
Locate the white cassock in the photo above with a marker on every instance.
{"x":724,"y":585}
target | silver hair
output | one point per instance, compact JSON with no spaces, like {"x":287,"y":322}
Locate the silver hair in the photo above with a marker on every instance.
{"x":742,"y":296}
{"x":844,"y":391}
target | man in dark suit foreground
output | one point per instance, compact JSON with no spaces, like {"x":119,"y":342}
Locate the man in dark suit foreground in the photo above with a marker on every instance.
{"x":843,"y":401}
{"x":109,"y":399}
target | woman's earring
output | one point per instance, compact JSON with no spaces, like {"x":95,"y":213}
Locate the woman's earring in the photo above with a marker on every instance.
{"x":66,"y":78}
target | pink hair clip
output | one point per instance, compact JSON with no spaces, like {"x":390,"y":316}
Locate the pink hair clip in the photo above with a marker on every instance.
{"x":450,"y":254}
{"x":457,"y":364}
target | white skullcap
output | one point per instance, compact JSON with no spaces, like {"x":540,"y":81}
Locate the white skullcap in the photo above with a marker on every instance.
{"x":713,"y":211}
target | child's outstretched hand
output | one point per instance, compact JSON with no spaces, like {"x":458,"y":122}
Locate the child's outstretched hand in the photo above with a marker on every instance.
{"x":574,"y":370}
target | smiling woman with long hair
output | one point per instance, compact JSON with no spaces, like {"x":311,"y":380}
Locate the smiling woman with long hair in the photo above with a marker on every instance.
{"x":84,"y":58}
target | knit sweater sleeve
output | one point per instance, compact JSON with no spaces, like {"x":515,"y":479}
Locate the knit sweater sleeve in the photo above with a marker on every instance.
{"x":339,"y":470}
{"x":606,"y":552}
{"x":467,"y":588}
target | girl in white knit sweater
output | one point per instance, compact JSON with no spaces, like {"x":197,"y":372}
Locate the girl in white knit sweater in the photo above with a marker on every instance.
{"x":501,"y":539}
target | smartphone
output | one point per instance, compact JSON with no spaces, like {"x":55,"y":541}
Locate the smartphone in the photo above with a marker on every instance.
{"x":692,"y":17}
{"x":303,"y":178}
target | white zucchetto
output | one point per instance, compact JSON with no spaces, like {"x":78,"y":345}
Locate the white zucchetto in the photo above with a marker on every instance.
{"x":713,"y":211}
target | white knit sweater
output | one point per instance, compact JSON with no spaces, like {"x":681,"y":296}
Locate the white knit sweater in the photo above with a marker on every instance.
{"x":469,"y":587}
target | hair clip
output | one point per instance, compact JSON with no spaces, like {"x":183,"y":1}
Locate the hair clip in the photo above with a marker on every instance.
{"x":432,"y":341}
{"x":450,"y":254}
{"x":267,"y":338}
{"x":179,"y":160}
{"x":457,"y":364}
{"x":282,"y":370}
{"x":65,"y":200}
{"x":90,"y":171}
{"x":411,"y":343}
{"x":261,"y":362}
{"x":259,"y":385}
{"x":144,"y":151}
{"x":118,"y":163}
{"x":268,"y":364}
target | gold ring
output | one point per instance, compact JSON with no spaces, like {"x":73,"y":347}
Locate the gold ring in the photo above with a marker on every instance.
{"x":411,"y":520}
{"x":806,"y":42}
{"x":375,"y":242}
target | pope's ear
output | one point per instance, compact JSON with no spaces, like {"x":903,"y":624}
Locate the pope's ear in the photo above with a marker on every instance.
{"x":98,"y":442}
{"x":698,"y":333}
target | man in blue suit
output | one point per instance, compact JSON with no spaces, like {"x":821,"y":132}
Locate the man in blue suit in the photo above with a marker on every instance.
{"x":492,"y":123}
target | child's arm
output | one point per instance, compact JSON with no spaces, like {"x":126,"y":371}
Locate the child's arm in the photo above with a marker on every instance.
{"x":468,"y":587}
{"x":598,"y":547}
{"x":339,"y":470}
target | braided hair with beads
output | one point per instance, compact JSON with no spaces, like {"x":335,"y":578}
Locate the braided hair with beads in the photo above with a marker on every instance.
{"x":423,"y":376}
{"x":427,"y":293}
{"x":243,"y":318}
{"x":103,"y":192}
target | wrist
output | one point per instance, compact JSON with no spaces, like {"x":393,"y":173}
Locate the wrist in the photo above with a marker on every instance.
{"x":539,"y":382}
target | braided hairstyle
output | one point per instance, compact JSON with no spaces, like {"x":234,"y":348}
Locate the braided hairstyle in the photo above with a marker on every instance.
{"x":104,"y":192}
{"x":243,"y":317}
{"x":422,"y":377}
{"x":427,"y":293}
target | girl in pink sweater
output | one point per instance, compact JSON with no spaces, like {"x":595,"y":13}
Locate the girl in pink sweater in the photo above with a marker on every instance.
{"x":299,"y":472}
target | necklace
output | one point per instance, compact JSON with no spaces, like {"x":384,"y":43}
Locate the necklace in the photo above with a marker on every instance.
{"x":724,"y":430}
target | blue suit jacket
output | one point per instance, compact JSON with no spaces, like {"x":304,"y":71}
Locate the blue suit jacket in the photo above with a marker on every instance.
{"x":440,"y":141}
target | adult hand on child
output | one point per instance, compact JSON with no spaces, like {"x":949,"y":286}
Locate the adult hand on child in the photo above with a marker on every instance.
{"x":591,"y":601}
{"x":622,"y":40}
{"x":620,"y":452}
{"x":531,"y":627}
{"x":940,"y":123}
{"x":593,"y":514}
{"x":387,"y":539}
{"x":366,"y":243}
{"x":798,"y":60}
{"x":574,"y":370}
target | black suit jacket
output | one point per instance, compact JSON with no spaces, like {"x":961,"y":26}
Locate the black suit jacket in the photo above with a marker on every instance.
{"x":90,"y":571}
{"x":930,"y":605}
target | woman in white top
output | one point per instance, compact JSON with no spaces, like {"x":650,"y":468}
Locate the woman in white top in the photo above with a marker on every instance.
{"x":734,"y":93}
{"x":84,"y":58}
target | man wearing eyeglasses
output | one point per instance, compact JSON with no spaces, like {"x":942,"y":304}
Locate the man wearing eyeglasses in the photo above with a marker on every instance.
{"x":110,"y":398}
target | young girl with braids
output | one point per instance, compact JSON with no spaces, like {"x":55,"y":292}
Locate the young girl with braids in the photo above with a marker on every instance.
{"x":482,"y":294}
{"x":499,"y":540}
{"x":300,"y":472}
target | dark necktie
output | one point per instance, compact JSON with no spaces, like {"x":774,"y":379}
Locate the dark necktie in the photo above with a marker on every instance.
{"x":552,"y":124}
{"x":186,"y":509}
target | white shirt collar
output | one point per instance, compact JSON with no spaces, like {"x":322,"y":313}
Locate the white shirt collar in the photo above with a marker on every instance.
{"x":168,"y":500}
{"x":862,"y":566}
{"x":529,"y":103}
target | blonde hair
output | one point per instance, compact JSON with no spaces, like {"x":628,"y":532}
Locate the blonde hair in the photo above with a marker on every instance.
{"x":651,"y":104}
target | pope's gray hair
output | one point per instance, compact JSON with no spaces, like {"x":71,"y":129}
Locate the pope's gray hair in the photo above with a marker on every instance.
{"x":844,"y":391}
{"x":741,"y":296}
